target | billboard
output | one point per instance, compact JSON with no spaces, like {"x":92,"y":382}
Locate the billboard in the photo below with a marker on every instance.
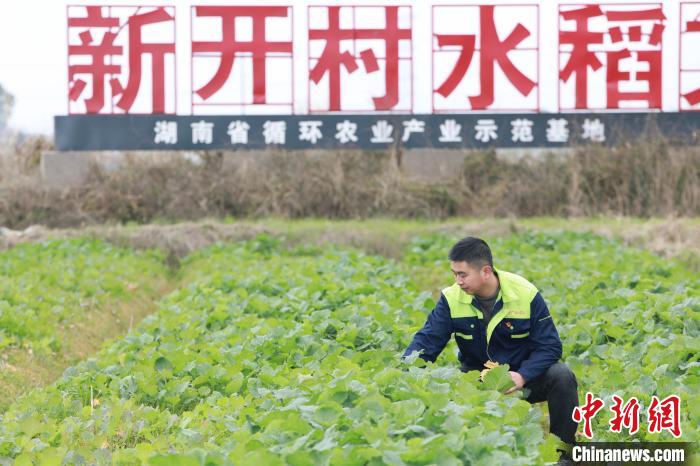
{"x":473,"y":63}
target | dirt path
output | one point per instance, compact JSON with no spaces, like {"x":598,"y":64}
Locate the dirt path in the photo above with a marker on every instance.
{"x":22,"y":369}
{"x":677,"y":238}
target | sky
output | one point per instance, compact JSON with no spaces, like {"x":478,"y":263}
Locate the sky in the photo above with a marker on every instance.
{"x":33,"y":62}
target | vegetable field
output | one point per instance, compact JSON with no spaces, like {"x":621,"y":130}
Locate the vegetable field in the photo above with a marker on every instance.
{"x":271,"y":354}
{"x":46,"y":285}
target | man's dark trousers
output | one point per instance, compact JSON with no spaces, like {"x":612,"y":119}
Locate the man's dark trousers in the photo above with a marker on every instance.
{"x":559,"y":388}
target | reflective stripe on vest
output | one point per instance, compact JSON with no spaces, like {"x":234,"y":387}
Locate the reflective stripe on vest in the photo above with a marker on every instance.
{"x":517,"y":294}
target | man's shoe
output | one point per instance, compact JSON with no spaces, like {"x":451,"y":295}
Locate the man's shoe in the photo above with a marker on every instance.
{"x":565,"y":458}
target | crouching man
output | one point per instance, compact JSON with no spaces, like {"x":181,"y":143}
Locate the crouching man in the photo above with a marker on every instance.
{"x":497,"y":316}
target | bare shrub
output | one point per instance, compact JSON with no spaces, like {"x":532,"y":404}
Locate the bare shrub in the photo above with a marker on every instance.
{"x":638,"y":180}
{"x":340,"y":185}
{"x":644,"y":178}
{"x":641,"y":179}
{"x":20,"y":156}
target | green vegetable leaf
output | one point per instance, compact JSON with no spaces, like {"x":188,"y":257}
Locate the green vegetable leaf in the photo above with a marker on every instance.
{"x":498,"y":378}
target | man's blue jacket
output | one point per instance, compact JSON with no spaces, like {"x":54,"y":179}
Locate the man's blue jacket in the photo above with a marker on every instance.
{"x":521,"y":332}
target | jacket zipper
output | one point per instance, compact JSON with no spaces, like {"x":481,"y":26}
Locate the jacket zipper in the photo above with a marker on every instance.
{"x":481,"y":324}
{"x":486,"y":330}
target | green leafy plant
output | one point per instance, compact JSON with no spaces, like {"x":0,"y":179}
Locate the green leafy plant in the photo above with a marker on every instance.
{"x":498,"y":378}
{"x":50,"y":284}
{"x":292,"y":356}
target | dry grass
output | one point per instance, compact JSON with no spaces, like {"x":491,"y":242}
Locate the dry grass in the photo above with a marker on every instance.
{"x":20,"y":157}
{"x":289,"y":185}
{"x":22,"y":370}
{"x":644,"y":179}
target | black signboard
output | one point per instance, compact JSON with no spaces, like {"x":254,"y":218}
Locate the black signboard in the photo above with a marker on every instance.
{"x":376,"y":131}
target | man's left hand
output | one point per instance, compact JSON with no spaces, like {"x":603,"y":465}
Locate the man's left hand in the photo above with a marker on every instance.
{"x":517,"y":380}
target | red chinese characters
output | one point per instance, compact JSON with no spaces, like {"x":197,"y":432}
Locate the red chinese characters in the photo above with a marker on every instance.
{"x":360,"y":58}
{"x":665,"y":415}
{"x":485,"y":68}
{"x":689,"y":79}
{"x":354,"y":50}
{"x":625,"y":416}
{"x":661,"y":415}
{"x":587,"y":412}
{"x":242,"y":56}
{"x":118,"y":61}
{"x":613,"y":47}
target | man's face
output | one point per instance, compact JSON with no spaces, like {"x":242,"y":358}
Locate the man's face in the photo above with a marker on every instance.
{"x":469,"y":277}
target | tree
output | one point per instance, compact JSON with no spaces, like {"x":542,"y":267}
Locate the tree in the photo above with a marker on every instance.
{"x":6,"y":103}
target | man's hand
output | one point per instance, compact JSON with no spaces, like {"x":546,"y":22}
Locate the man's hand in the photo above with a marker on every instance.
{"x":517,"y":380}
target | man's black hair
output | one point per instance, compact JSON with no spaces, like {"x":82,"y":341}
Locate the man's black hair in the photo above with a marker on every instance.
{"x":474,"y":251}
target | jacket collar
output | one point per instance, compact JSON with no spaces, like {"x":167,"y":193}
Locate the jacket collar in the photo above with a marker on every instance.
{"x":506,"y":292}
